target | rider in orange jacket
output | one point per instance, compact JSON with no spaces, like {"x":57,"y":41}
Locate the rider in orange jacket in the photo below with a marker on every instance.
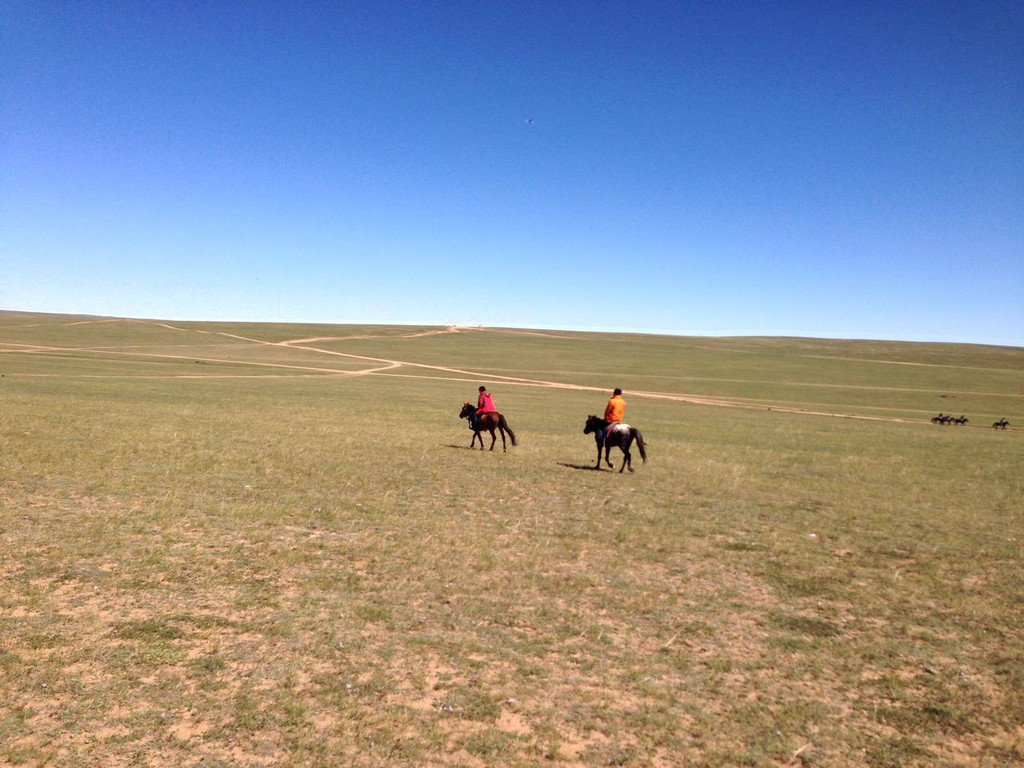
{"x":615,"y":410}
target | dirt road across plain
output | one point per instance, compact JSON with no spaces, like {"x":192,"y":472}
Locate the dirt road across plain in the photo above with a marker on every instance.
{"x":385,"y":366}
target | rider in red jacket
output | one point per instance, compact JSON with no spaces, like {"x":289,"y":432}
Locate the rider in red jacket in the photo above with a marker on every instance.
{"x":484,"y":404}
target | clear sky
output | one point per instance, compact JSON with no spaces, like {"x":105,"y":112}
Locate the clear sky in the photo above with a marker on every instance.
{"x":802,"y":168}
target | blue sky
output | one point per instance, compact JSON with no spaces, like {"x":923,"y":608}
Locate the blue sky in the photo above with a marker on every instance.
{"x":847,"y":170}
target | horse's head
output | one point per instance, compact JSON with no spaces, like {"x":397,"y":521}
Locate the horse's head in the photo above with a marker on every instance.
{"x":468,"y":409}
{"x":593,"y":424}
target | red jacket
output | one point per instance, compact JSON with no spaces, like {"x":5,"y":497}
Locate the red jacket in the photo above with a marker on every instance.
{"x":484,"y":404}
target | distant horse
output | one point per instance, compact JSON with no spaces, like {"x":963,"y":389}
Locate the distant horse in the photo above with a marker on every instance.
{"x":961,"y":421}
{"x":489,"y":422}
{"x":940,"y":419}
{"x":1001,"y":424}
{"x":622,"y":437}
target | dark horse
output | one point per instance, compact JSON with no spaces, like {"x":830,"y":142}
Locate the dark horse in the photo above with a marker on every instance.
{"x":622,"y":438}
{"x":1001,"y":424}
{"x":489,"y":422}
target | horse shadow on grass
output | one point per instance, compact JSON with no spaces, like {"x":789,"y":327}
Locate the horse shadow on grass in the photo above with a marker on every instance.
{"x":589,"y":467}
{"x":585,"y":467}
{"x":455,"y":447}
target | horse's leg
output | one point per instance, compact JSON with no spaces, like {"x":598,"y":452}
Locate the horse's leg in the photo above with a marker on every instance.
{"x":599,"y":446}
{"x":627,"y":457}
{"x":502,"y":430}
{"x":494,"y":439}
{"x":607,"y":453}
{"x":627,"y":461}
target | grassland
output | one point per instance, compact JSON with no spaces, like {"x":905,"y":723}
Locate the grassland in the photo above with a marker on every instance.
{"x":268,"y":545}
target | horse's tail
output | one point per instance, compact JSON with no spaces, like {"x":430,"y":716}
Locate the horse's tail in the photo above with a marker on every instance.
{"x":640,"y":444}
{"x":504,"y":425}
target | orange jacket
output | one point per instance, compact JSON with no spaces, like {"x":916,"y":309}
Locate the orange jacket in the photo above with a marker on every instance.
{"x":615,"y":409}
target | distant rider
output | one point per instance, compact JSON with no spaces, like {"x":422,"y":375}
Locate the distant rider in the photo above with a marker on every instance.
{"x":614,"y":411}
{"x":484,"y":404}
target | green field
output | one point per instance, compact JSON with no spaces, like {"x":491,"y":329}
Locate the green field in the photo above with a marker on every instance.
{"x":269,"y":545}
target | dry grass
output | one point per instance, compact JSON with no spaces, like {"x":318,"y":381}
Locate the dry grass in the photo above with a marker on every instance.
{"x":206,"y":564}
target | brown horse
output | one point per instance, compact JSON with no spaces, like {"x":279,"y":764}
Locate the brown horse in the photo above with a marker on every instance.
{"x":489,"y":422}
{"x":622,"y":437}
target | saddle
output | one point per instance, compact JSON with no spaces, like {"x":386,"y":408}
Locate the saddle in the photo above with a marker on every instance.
{"x":613,"y":428}
{"x":474,"y":419}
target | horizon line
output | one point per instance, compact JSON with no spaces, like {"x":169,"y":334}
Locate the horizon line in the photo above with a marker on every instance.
{"x":695,"y":333}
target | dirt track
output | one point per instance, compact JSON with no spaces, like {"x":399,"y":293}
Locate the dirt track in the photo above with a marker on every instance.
{"x":384,"y":366}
